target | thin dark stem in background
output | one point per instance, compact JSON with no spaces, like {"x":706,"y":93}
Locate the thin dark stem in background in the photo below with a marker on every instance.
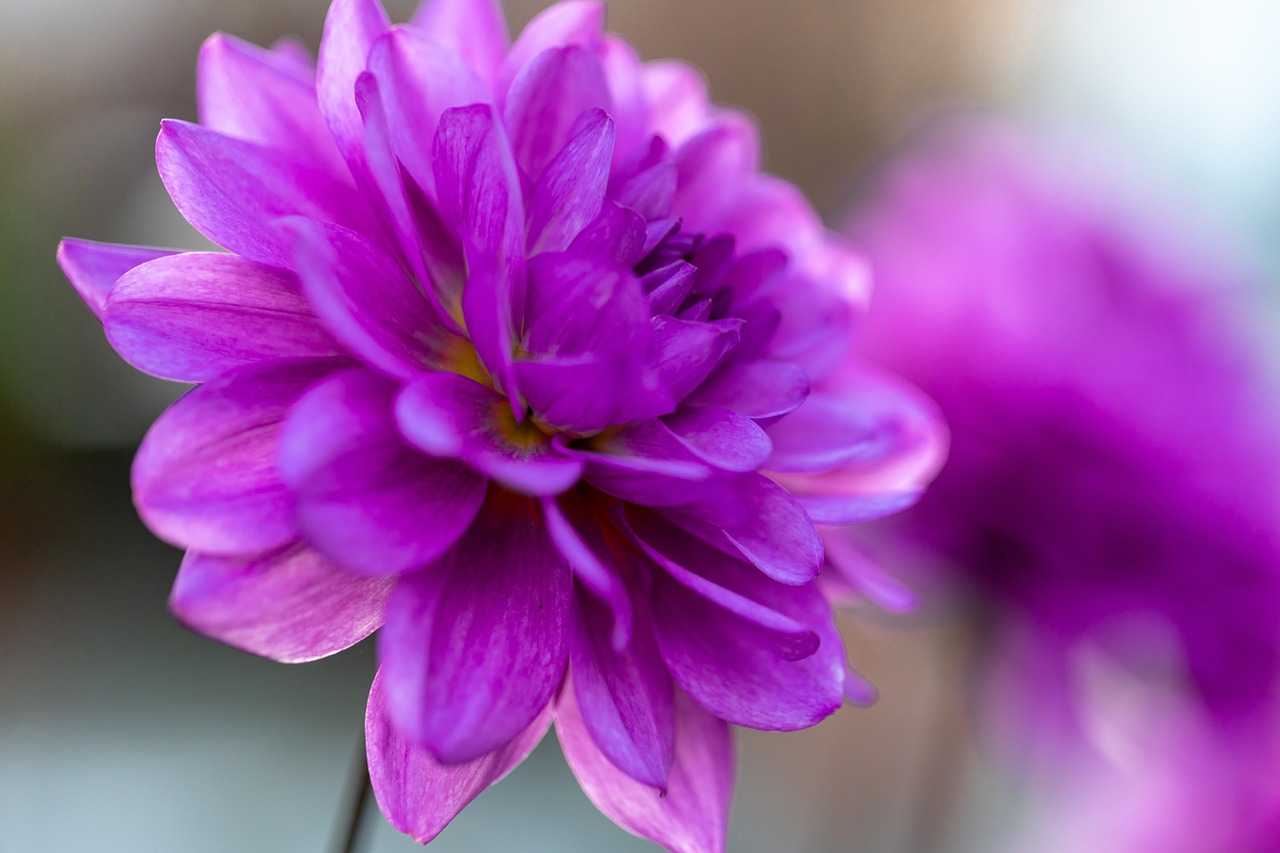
{"x":347,"y":833}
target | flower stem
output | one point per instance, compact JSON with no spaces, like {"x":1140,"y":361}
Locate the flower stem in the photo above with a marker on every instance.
{"x":347,"y":834}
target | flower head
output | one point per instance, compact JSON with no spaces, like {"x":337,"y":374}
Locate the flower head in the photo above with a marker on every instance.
{"x":504,"y":338}
{"x":1111,"y":489}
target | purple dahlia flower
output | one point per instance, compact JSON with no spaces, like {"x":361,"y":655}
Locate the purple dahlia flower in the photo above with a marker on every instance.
{"x":504,"y":339}
{"x":1113,"y":488}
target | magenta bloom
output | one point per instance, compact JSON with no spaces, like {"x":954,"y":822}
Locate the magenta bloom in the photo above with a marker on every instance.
{"x":1112,"y":484}
{"x":504,"y":339}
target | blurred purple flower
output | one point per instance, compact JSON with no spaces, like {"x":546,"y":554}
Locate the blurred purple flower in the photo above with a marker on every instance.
{"x":1114,"y":470}
{"x":504,"y":339}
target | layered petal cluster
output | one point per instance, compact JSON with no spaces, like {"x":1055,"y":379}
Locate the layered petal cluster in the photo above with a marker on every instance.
{"x":1111,"y":491}
{"x":514,"y":354}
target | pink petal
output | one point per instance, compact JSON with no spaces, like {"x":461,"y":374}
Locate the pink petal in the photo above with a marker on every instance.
{"x":194,"y":316}
{"x":570,"y":193}
{"x":625,"y":695}
{"x":368,"y":301}
{"x":289,"y":605}
{"x":92,"y":268}
{"x":720,"y":437}
{"x":546,"y":100}
{"x":420,"y":795}
{"x":692,"y":815}
{"x":262,"y":96}
{"x":475,"y":30}
{"x":234,"y":192}
{"x":475,"y":645}
{"x":756,"y":389}
{"x":588,"y":560}
{"x":366,"y":500}
{"x":350,"y":29}
{"x":566,"y":23}
{"x":206,"y":476}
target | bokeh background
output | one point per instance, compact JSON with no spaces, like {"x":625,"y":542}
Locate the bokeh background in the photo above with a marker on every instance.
{"x":121,"y":731}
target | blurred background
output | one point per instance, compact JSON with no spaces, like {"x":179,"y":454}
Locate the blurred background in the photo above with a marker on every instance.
{"x":121,"y":731}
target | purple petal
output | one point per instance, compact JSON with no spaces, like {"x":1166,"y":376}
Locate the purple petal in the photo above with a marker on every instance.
{"x":625,"y":696}
{"x":92,"y":268}
{"x":651,"y":192}
{"x":616,"y":235}
{"x":720,"y":437}
{"x":684,"y":353}
{"x":206,"y":476}
{"x":476,"y":644}
{"x":289,"y":605}
{"x":475,"y":30}
{"x":588,"y":566}
{"x":696,"y":565}
{"x":479,"y":191}
{"x":765,"y":523}
{"x":350,"y":29}
{"x":723,"y":652}
{"x":851,"y":566}
{"x":711,"y":166}
{"x":565,"y":23}
{"x":368,"y":301}
{"x":855,"y":509}
{"x":261,"y":96}
{"x":449,"y":415}
{"x":364,"y":499}
{"x":194,"y":316}
{"x":669,"y":286}
{"x":418,"y":794}
{"x":418,"y":80}
{"x":546,"y":100}
{"x":569,"y":194}
{"x":692,"y":815}
{"x":756,"y":389}
{"x":582,"y":366}
{"x":233,"y":191}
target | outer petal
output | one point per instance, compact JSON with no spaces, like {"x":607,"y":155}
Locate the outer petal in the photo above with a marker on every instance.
{"x":571,"y":190}
{"x":350,"y":29}
{"x":194,"y":316}
{"x":625,"y":695}
{"x":233,"y":191}
{"x":475,"y":30}
{"x":676,"y":94}
{"x":732,"y":667}
{"x":711,"y":167}
{"x":418,"y":794}
{"x":763,"y":521}
{"x":206,"y":477}
{"x":419,"y":79}
{"x":364,"y":498}
{"x":261,"y":96}
{"x":756,"y":389}
{"x":546,"y":100}
{"x":475,"y":645}
{"x":572,"y":22}
{"x":864,"y":433}
{"x":289,"y":605}
{"x":714,"y":576}
{"x":587,"y":562}
{"x":692,"y":815}
{"x":720,"y":437}
{"x":368,"y":300}
{"x":92,"y":268}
